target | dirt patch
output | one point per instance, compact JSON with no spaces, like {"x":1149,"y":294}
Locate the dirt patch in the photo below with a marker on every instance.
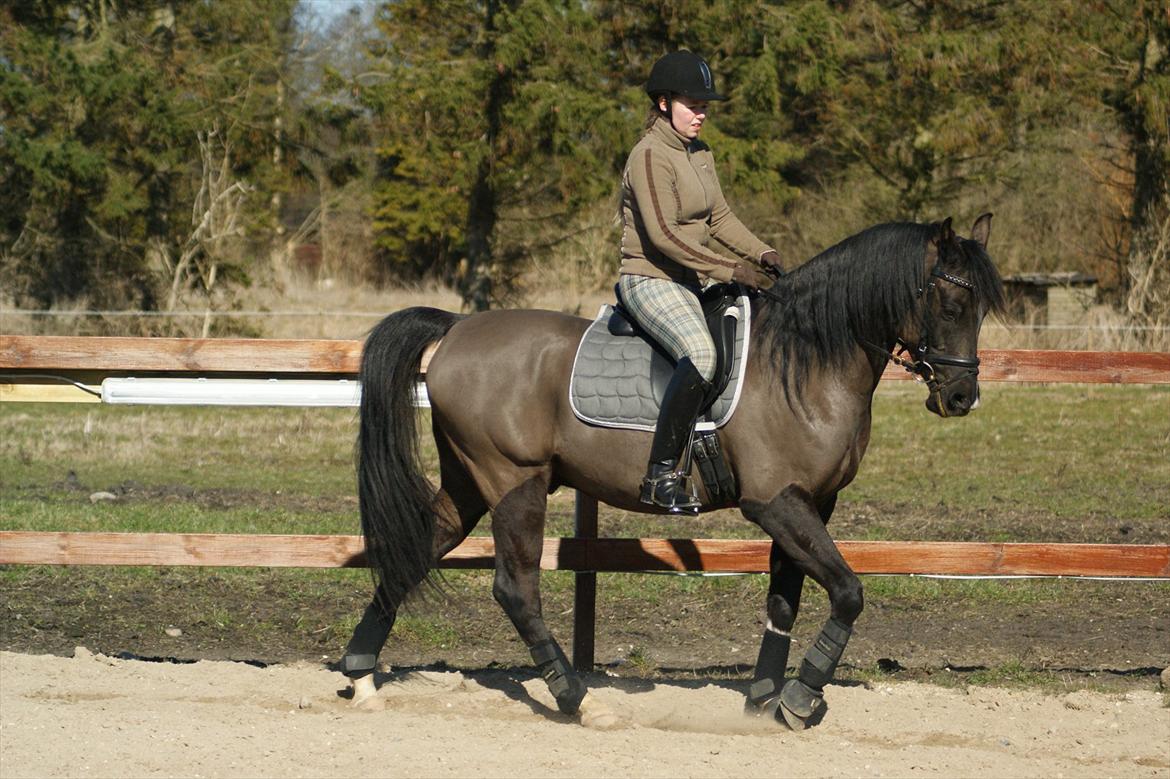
{"x":1097,"y":633}
{"x":920,"y":690}
{"x":112,"y":718}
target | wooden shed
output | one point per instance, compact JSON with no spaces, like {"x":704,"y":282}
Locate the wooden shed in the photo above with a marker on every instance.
{"x":1061,"y":298}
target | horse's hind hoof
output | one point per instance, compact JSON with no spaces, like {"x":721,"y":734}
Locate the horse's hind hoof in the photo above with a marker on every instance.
{"x":365,"y":695}
{"x":595,"y":715}
{"x":800,"y":705}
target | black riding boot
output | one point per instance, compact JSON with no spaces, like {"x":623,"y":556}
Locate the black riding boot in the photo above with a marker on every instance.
{"x":665,"y":484}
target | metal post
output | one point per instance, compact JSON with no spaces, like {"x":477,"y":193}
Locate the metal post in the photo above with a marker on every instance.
{"x":585,"y":590}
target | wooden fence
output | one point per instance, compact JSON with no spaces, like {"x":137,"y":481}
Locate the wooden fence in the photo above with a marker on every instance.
{"x":67,"y":369}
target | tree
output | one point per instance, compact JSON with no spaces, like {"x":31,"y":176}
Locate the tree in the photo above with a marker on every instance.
{"x":99,"y":153}
{"x":499,"y":125}
{"x":85,"y":136}
{"x":929,"y":97}
{"x":1131,"y":44}
{"x":753,"y":134}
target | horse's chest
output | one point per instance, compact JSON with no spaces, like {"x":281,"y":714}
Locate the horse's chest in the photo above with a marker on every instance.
{"x":847,"y":465}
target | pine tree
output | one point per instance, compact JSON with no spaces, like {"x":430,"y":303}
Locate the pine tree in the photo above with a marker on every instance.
{"x":99,"y":155}
{"x":498,"y":125}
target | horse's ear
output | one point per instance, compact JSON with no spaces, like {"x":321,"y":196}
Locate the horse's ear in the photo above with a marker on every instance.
{"x":982,"y":230}
{"x":945,"y":233}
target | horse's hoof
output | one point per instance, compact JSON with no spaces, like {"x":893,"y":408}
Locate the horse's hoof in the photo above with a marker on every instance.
{"x":763,"y":708}
{"x":373,"y":703}
{"x":800,"y":706}
{"x":365,"y":695}
{"x":595,"y":715}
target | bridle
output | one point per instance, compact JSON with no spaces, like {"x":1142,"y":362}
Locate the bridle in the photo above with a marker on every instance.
{"x":923,"y":357}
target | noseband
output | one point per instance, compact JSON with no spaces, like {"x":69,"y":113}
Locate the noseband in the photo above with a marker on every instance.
{"x":923,"y":357}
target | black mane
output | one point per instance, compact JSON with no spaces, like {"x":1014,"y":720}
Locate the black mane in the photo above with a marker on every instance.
{"x":861,"y":289}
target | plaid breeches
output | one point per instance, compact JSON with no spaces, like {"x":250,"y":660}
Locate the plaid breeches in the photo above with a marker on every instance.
{"x":671,"y":313}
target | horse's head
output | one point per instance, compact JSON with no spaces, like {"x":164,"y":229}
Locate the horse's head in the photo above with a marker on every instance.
{"x":961,"y":287}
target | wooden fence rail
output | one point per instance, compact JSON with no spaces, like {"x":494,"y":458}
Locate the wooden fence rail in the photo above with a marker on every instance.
{"x":343,"y":358}
{"x":28,"y":365}
{"x":604,"y":555}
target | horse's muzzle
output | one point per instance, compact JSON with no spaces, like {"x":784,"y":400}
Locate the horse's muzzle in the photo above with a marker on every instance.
{"x":954,"y":400}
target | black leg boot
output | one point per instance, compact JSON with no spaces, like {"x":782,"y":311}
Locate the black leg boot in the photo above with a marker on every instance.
{"x":665,"y":484}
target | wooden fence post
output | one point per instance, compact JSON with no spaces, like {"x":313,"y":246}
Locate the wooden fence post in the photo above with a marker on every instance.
{"x":585,"y":589}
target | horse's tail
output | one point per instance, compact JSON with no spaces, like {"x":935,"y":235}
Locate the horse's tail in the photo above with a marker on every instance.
{"x":395,"y":497}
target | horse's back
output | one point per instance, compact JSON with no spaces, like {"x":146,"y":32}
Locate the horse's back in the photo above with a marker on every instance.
{"x":501,"y":377}
{"x":518,"y":342}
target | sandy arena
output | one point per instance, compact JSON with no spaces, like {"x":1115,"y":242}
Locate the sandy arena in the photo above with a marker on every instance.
{"x":93,"y":716}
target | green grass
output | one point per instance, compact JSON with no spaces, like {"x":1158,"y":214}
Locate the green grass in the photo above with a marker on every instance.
{"x":308,"y":451}
{"x":427,"y":631}
{"x":77,"y":514}
{"x":1071,"y":452}
{"x":1011,"y":675}
{"x":1068,"y":450}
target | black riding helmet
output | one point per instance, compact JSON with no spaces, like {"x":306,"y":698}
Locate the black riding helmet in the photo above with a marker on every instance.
{"x":682,"y":73}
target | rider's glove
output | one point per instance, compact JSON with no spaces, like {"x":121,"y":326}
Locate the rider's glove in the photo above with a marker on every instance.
{"x":751,"y":276}
{"x":770,"y":260}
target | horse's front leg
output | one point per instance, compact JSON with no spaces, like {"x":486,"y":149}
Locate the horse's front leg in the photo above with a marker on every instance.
{"x":795,"y":524}
{"x":784,"y":589}
{"x":786,"y":582}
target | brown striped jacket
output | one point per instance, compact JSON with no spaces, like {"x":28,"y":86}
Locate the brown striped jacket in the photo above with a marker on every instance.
{"x":672,"y":206}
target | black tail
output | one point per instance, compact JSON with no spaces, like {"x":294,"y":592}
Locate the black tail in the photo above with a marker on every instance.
{"x":395,"y":496}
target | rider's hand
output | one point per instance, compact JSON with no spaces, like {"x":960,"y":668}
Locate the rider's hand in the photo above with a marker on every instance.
{"x":770,"y":260}
{"x":751,"y":276}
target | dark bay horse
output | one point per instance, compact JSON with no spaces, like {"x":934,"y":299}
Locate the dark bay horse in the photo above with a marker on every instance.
{"x":507,"y":437}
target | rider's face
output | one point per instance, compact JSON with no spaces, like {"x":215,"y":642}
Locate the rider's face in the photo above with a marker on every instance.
{"x":686,"y":115}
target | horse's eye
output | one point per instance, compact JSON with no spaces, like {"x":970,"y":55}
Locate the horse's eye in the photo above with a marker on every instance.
{"x":949,"y":313}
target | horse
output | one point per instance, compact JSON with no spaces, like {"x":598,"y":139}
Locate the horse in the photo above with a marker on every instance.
{"x":506,"y":436}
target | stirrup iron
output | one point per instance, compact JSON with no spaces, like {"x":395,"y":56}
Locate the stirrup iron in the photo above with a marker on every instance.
{"x":671,"y":490}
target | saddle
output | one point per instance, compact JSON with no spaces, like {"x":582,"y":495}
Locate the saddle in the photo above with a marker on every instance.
{"x":620,"y":372}
{"x":620,"y":375}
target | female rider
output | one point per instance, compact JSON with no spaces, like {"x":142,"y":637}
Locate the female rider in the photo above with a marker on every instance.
{"x":672,"y":206}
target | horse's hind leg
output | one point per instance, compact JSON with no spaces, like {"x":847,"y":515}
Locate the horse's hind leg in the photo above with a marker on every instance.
{"x":518,"y":528}
{"x":796,"y":526}
{"x":458,"y":507}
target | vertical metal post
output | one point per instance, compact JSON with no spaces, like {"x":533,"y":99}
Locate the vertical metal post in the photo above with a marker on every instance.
{"x":585,"y":589}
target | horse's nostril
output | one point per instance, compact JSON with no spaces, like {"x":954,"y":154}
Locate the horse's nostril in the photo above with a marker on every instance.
{"x":959,"y":401}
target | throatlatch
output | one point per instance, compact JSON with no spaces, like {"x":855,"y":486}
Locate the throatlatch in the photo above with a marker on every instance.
{"x":560,"y":677}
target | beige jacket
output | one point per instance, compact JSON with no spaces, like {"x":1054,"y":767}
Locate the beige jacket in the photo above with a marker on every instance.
{"x":672,"y":206}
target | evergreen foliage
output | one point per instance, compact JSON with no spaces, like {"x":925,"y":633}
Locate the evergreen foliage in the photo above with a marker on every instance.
{"x":99,"y":157}
{"x":460,"y":139}
{"x":495,"y":120}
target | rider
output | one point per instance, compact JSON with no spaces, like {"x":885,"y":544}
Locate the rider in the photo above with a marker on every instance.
{"x":672,"y":206}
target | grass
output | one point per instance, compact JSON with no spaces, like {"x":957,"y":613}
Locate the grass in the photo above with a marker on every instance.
{"x":1042,"y":448}
{"x":1011,"y":675}
{"x":1050,"y":451}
